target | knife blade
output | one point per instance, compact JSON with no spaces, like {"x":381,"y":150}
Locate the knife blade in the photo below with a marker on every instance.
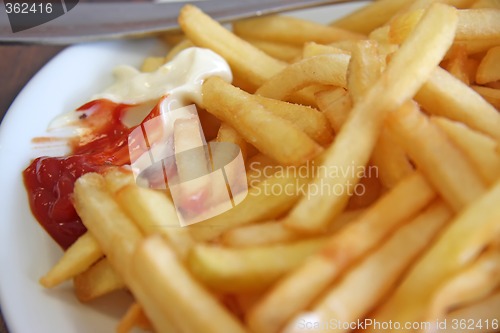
{"x":98,"y":21}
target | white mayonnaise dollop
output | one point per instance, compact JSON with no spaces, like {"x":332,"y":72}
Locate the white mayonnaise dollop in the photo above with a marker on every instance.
{"x":181,"y":79}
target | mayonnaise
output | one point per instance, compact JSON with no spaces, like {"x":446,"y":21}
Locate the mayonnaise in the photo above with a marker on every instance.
{"x":181,"y":79}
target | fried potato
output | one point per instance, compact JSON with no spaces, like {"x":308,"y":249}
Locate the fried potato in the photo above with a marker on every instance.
{"x":478,"y":24}
{"x":372,"y":16}
{"x":285,"y":29}
{"x":249,"y":269}
{"x":479,"y":148}
{"x":99,"y":280}
{"x":459,"y":244}
{"x":257,"y":125}
{"x":176,"y":294}
{"x":135,"y":317}
{"x":365,"y":285}
{"x":490,"y":94}
{"x":404,"y":76}
{"x":291,"y":295}
{"x":470,"y":285}
{"x":440,"y":161}
{"x":269,"y":199}
{"x":77,"y":259}
{"x":245,"y":59}
{"x":281,"y":51}
{"x":330,"y":69}
{"x":489,"y":69}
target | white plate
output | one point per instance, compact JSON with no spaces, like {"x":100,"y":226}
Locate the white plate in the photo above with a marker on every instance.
{"x":26,"y":252}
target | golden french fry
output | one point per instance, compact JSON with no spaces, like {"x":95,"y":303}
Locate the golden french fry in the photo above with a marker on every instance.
{"x":365,"y":285}
{"x":181,"y":46}
{"x":485,"y":4}
{"x":478,"y":24}
{"x":372,"y":16}
{"x":329,"y":69}
{"x":312,"y":49}
{"x":479,"y":148}
{"x":151,"y":64}
{"x":458,"y":64}
{"x":269,"y":199}
{"x":467,"y":235}
{"x":242,"y":270}
{"x":176,"y":293}
{"x":118,"y":178}
{"x":345,"y":247}
{"x":245,"y":59}
{"x":281,"y":51}
{"x":258,"y":126}
{"x":445,"y":95}
{"x":99,"y":280}
{"x":492,"y":95}
{"x":229,"y":134}
{"x":489,"y":68}
{"x":77,"y":259}
{"x":470,"y":285}
{"x":274,"y":232}
{"x":116,"y":234}
{"x":154,"y":213}
{"x":442,"y":163}
{"x":484,"y":314}
{"x":309,"y":120}
{"x":336,"y":104}
{"x":402,"y":25}
{"x":404,"y":76}
{"x":285,"y":29}
{"x":135,"y":317}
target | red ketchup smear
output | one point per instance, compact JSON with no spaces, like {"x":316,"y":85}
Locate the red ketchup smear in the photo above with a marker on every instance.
{"x":49,"y":181}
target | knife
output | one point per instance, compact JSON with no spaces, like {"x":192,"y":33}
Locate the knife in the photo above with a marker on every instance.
{"x":98,"y":21}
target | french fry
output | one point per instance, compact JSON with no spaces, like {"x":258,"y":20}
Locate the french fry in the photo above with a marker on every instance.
{"x":446,"y":96}
{"x":176,"y":293}
{"x":402,"y":25}
{"x":245,"y":59}
{"x":312,"y":49}
{"x":404,"y":76}
{"x":77,"y":259}
{"x":444,"y":165}
{"x":259,"y":205}
{"x":470,"y":285}
{"x":274,"y":232}
{"x":372,"y":16}
{"x":458,"y":64}
{"x":458,"y":245}
{"x":486,"y":4}
{"x":154,"y":213}
{"x":330,"y":69}
{"x":259,"y":168}
{"x":291,"y":295}
{"x":151,"y":64}
{"x":484,"y":311}
{"x":249,"y":269}
{"x":257,"y":125}
{"x":281,"y":51}
{"x":364,"y":286}
{"x":479,"y":148}
{"x":478,"y":24}
{"x":135,"y":317}
{"x":285,"y":29}
{"x":309,"y":120}
{"x":489,"y":68}
{"x":229,"y":134}
{"x":99,"y":280}
{"x":490,"y":94}
{"x":181,"y":46}
{"x":336,"y":104}
{"x":114,"y":231}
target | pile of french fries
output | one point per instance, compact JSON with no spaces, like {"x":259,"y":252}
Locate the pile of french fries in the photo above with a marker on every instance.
{"x":409,"y":87}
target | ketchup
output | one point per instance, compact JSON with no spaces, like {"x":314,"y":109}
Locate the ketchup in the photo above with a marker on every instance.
{"x":49,"y":181}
